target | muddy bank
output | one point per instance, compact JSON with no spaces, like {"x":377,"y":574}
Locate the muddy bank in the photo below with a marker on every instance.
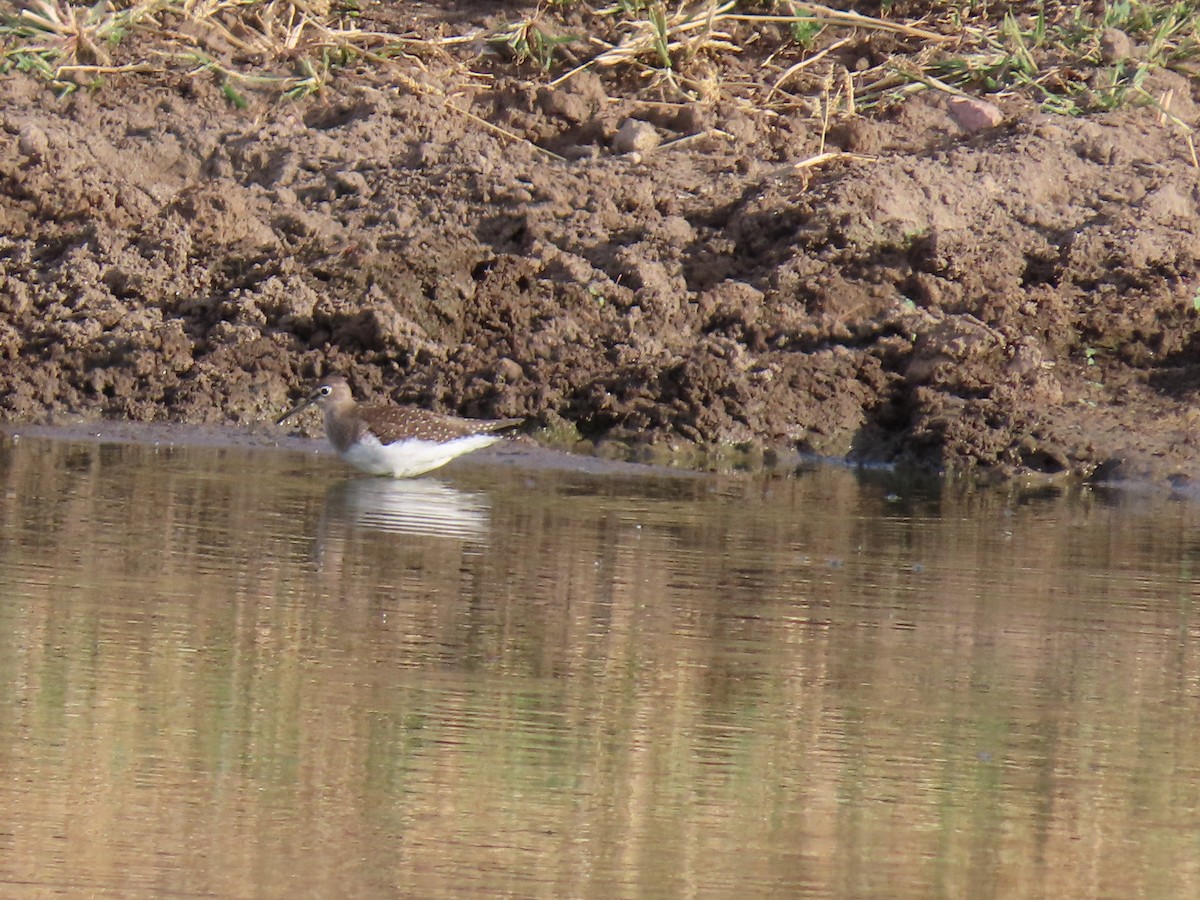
{"x":1021,"y":297}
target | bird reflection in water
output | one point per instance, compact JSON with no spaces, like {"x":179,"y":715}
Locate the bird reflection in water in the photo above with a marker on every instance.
{"x":422,"y":507}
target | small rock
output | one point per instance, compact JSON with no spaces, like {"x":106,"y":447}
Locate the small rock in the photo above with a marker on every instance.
{"x":509,"y":370}
{"x":1115,"y":45}
{"x":635,"y":135}
{"x":32,"y":142}
{"x":973,"y":114}
{"x":354,"y":183}
{"x":675,"y":231}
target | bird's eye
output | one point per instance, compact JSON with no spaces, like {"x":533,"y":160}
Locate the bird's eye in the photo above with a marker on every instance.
{"x":325,"y":390}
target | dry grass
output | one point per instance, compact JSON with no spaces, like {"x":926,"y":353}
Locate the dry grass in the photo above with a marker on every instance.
{"x":771,"y":54}
{"x":241,"y":42}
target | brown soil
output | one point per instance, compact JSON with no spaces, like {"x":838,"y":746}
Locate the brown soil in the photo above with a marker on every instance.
{"x":1019,"y":298}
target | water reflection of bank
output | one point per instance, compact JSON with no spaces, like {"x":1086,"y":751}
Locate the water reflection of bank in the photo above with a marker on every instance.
{"x":617,"y":686}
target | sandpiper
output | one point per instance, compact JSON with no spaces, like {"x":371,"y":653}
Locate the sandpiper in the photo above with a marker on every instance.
{"x":401,"y":441}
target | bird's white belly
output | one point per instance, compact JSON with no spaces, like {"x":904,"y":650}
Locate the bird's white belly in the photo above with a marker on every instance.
{"x":409,"y":457}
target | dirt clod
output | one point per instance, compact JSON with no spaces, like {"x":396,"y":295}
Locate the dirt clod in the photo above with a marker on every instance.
{"x":635,"y":136}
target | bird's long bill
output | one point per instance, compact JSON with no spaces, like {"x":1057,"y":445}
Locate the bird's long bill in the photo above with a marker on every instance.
{"x":299,"y":407}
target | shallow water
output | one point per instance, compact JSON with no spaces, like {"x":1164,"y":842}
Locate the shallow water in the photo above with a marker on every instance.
{"x":239,"y":673}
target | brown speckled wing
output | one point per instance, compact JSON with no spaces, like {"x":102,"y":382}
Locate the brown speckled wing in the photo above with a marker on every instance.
{"x":393,"y":423}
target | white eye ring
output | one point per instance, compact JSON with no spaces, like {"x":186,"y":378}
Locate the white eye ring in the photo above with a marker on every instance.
{"x":325,"y":390}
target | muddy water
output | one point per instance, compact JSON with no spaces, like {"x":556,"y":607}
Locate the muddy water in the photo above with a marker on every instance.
{"x":236,"y":673}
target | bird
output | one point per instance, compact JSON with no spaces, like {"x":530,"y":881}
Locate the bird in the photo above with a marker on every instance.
{"x":400,"y":441}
